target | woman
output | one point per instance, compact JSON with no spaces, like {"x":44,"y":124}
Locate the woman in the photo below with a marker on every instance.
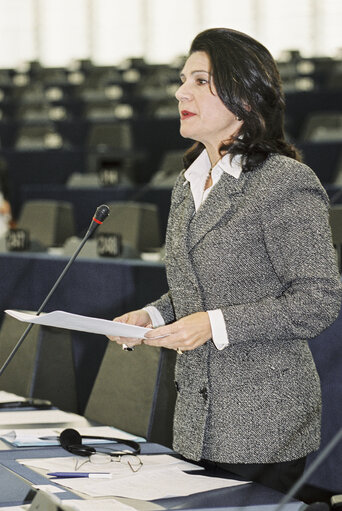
{"x":251,"y":270}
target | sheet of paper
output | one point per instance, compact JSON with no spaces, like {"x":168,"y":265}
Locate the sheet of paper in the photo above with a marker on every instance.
{"x":41,"y":417}
{"x":61,"y":319}
{"x":161,"y":476}
{"x":8,"y":397}
{"x":49,"y":436}
{"x":149,"y":485}
{"x":116,"y":468}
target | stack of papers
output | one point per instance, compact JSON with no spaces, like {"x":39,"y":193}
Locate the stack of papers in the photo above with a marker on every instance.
{"x":161,"y":476}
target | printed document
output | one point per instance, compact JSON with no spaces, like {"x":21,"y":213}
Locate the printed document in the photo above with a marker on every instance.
{"x":161,"y":476}
{"x":61,"y":319}
{"x":50,"y":436}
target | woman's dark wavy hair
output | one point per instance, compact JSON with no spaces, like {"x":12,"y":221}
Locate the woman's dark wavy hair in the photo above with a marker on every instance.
{"x":247,"y":80}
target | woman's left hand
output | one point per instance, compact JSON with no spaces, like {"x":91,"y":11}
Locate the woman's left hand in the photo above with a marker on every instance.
{"x":185,"y":334}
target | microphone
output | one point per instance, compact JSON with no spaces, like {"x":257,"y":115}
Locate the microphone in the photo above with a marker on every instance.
{"x":100,"y":215}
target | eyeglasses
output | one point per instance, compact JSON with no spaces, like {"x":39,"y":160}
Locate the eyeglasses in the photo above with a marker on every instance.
{"x":131,"y":460}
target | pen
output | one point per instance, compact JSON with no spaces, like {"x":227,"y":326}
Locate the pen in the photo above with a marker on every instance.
{"x":93,"y":475}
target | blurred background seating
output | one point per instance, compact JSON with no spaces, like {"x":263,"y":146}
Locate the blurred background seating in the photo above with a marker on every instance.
{"x":103,"y":128}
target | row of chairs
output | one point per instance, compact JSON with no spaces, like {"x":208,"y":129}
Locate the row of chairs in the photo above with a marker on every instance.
{"x":134,"y":393}
{"x":127,"y":146}
{"x":89,"y":91}
{"x":136,"y":223}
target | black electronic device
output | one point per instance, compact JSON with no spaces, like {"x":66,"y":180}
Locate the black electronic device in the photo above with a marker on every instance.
{"x":71,"y":440}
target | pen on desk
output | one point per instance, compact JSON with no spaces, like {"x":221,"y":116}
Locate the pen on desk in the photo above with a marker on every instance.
{"x":92,"y":475}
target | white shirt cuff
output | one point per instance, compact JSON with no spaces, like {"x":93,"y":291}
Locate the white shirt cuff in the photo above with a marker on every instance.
{"x":156,"y":317}
{"x":218,"y":329}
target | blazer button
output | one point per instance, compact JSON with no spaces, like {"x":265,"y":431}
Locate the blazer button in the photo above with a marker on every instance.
{"x":204,"y":393}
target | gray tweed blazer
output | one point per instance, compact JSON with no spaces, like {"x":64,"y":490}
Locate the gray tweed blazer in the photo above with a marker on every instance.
{"x":260,"y":249}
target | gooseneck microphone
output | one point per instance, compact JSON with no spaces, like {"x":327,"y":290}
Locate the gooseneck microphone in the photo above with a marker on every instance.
{"x":100,"y":215}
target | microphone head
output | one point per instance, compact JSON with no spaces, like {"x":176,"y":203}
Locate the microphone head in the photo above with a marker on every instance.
{"x":101,"y":213}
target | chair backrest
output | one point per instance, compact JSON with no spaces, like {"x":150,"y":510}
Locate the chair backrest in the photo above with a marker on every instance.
{"x":122,"y":395}
{"x":83,"y":180}
{"x":48,"y":222}
{"x":136,"y":222}
{"x":134,"y":391}
{"x":104,"y":136}
{"x":17,"y":377}
{"x":323,"y":126}
{"x":171,"y":165}
{"x":38,"y":136}
{"x":335,"y":217}
{"x":42,"y":367}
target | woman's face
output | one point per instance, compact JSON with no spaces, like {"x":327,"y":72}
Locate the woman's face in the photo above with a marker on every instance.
{"x":203,"y":116}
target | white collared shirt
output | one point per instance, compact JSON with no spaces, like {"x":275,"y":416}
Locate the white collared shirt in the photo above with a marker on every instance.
{"x":197,"y":175}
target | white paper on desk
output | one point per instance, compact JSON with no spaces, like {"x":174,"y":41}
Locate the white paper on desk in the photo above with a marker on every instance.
{"x":161,"y":476}
{"x":49,"y":436}
{"x":41,"y":417}
{"x":61,"y":319}
{"x":8,"y":397}
{"x":149,"y":485}
{"x":116,"y":468}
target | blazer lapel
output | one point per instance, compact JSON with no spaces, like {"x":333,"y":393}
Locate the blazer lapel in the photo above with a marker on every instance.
{"x":221,"y":201}
{"x":177,"y":241}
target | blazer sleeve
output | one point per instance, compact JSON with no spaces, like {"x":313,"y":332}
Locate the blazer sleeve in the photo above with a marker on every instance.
{"x":298,"y":241}
{"x":165,"y":306}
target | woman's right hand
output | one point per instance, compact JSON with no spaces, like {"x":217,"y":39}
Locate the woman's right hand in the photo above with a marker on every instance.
{"x":139,"y":318}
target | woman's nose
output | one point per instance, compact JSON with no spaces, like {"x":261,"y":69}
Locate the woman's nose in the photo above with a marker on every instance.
{"x":182,"y":93}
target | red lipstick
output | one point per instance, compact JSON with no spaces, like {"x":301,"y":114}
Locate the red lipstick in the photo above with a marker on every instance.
{"x":185,"y":114}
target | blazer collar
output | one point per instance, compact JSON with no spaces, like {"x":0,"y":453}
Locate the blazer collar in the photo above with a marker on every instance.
{"x":221,"y":202}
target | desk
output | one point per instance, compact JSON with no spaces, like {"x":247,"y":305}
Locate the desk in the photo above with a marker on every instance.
{"x":121,"y":285}
{"x":239,"y":497}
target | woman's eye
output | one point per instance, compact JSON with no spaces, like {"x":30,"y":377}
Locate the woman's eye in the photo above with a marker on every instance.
{"x":201,"y":81}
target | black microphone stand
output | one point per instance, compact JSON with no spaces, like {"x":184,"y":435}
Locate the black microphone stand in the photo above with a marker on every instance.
{"x":100,"y":215}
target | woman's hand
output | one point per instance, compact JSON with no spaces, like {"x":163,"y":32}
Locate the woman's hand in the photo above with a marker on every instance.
{"x":139,"y":318}
{"x":185,"y":334}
